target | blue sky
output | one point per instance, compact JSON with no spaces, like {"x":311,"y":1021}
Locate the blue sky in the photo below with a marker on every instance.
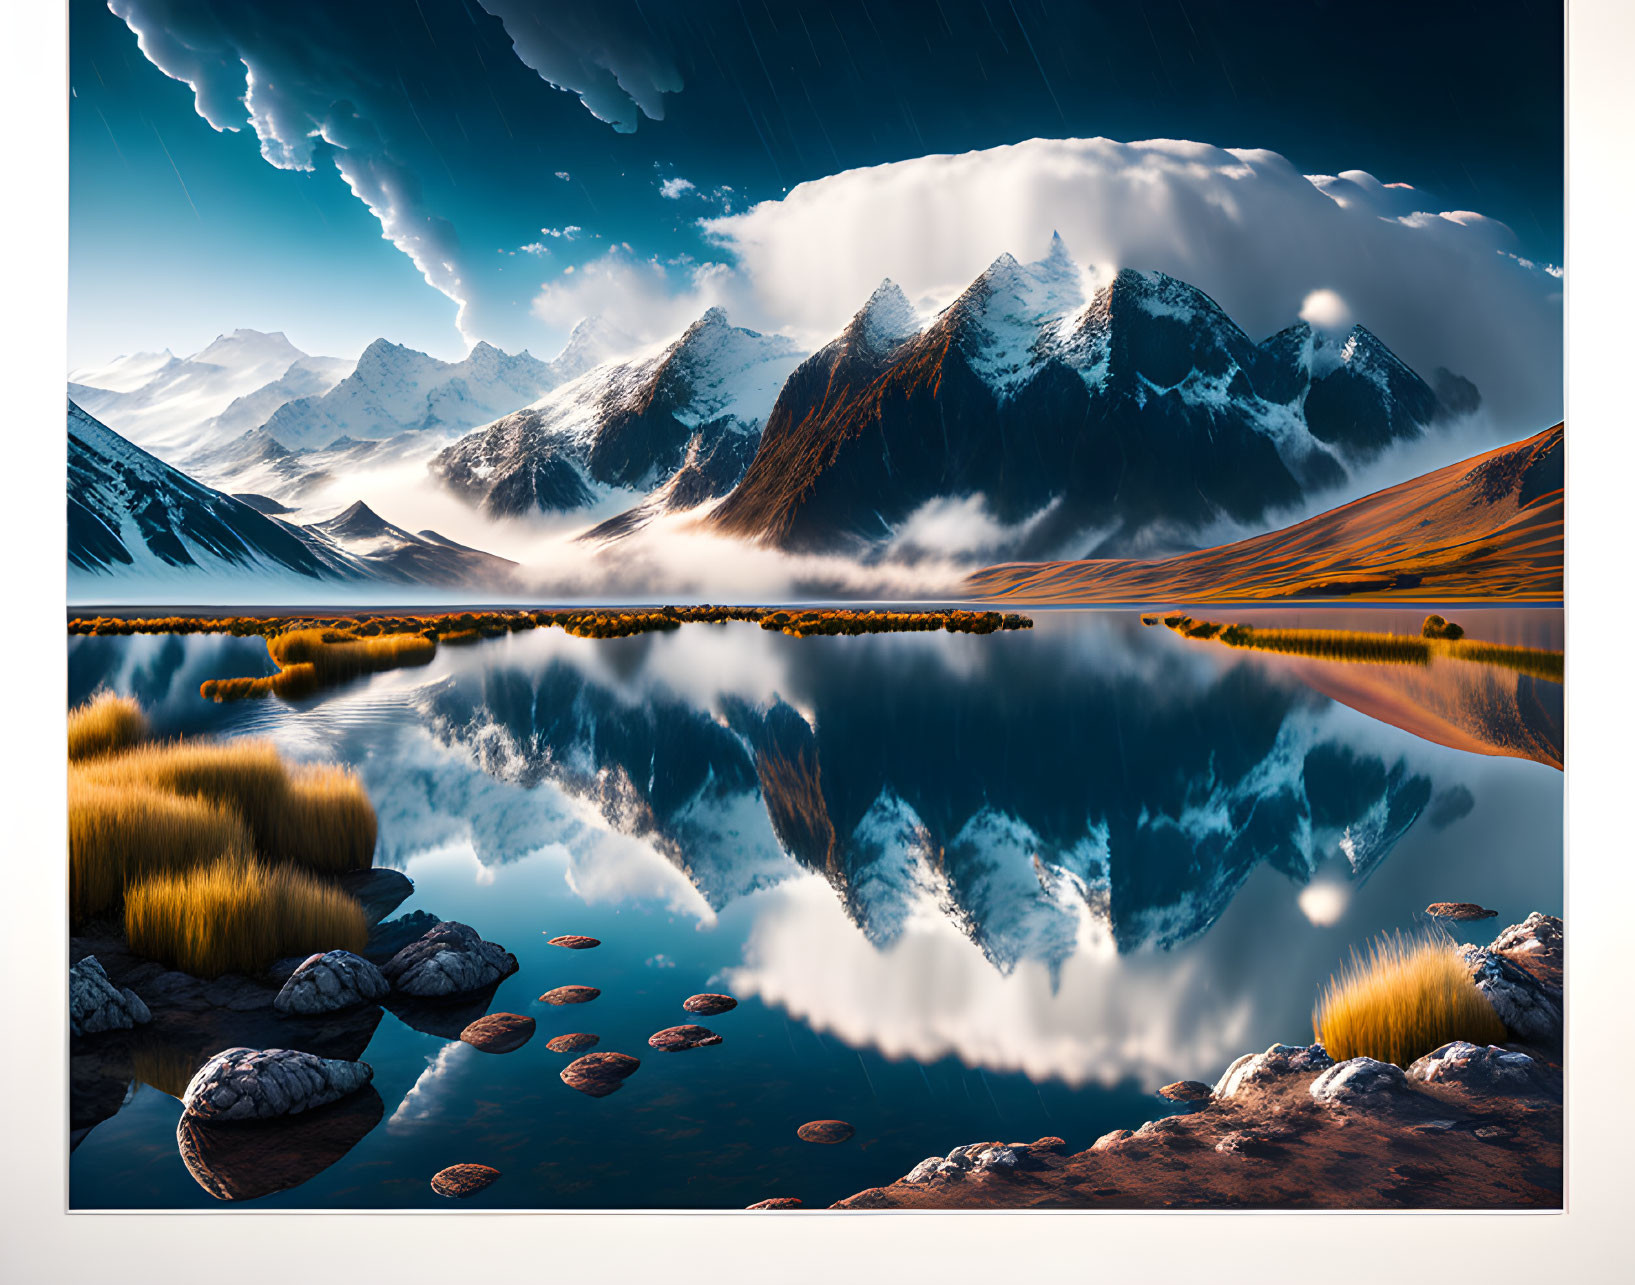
{"x":180,"y":231}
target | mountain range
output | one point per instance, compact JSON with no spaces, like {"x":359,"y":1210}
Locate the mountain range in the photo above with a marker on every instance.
{"x":1124,"y":418}
{"x":1117,"y":418}
{"x":135,"y":520}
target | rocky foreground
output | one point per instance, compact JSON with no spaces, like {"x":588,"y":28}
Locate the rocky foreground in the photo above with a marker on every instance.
{"x":1465,"y":1127}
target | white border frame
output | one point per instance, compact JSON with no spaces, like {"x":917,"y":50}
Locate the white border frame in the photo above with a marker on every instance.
{"x":40,"y":1242}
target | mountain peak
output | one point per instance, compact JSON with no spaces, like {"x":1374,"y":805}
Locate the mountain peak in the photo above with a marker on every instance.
{"x":887,"y":318}
{"x":356,"y":522}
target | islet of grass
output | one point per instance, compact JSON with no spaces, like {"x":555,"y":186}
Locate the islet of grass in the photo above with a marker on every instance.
{"x":1402,"y":997}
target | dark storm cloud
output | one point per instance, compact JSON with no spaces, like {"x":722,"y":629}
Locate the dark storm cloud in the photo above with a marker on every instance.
{"x":316,"y":83}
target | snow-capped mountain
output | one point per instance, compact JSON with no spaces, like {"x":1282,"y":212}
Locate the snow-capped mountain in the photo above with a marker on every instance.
{"x":161,"y":402}
{"x":697,"y":403}
{"x":424,"y":558}
{"x":137,"y":525}
{"x":395,"y":390}
{"x":1121,"y":417}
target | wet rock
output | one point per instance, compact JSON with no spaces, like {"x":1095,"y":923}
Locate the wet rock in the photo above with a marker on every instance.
{"x":386,"y":939}
{"x":1186,"y":1091}
{"x":598,"y":1074}
{"x":1529,"y":1008}
{"x":570,"y":995}
{"x":449,"y":959}
{"x":776,"y":1202}
{"x":499,"y":1032}
{"x":95,"y":1004}
{"x":333,"y":980}
{"x":709,"y":1005}
{"x":378,"y":890}
{"x":1279,"y":1060}
{"x":1537,"y":944}
{"x":1488,"y":1069}
{"x":573,"y":1043}
{"x":246,"y":1161}
{"x":260,"y":1084}
{"x":1358,"y":1080}
{"x":1459,"y":910}
{"x":574,"y":942}
{"x":828,"y":1132}
{"x":675,"y":1039}
{"x":461,"y":1181}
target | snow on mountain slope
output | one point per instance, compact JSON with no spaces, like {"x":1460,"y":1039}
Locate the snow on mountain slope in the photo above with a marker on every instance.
{"x":137,"y":526}
{"x":307,"y":377}
{"x":628,"y":425}
{"x":164,"y":411}
{"x":123,"y":374}
{"x":394,"y":389}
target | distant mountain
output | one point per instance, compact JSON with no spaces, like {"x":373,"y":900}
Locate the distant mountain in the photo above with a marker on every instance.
{"x":161,"y":402}
{"x":630,"y":426}
{"x":1135,"y":414}
{"x":395,"y":390}
{"x":136,"y":524}
{"x":1486,"y":528}
{"x":426,"y":558}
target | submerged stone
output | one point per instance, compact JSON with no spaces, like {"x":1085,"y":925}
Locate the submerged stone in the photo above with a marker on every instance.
{"x":708,"y":1005}
{"x":573,"y":1042}
{"x":574,"y":942}
{"x":460,"y":1181}
{"x":598,"y":1074}
{"x":499,"y":1032}
{"x":828,"y":1132}
{"x":675,"y":1039}
{"x":570,"y":995}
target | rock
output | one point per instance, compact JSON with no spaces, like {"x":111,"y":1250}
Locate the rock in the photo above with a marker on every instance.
{"x":1280,"y":1059}
{"x":1049,"y":1144}
{"x":975,"y":1158}
{"x":1490,"y":1132}
{"x":709,"y":1005}
{"x":378,"y":890}
{"x":499,"y":1032}
{"x":570,"y":995}
{"x":573,"y":1043}
{"x":598,"y":1074}
{"x":333,"y":980}
{"x":95,"y":1004}
{"x":1529,"y":1008}
{"x":1186,"y":1091}
{"x":1471,"y":1066}
{"x":776,"y":1202}
{"x":1252,"y":1141}
{"x":246,"y":1161}
{"x":1459,"y":910}
{"x":260,"y":1084}
{"x":449,"y":959}
{"x":1109,"y":1140}
{"x":825,"y":1131}
{"x":1537,"y":944}
{"x":461,"y":1181}
{"x":386,"y":939}
{"x":573,"y":942}
{"x":934,"y":1169}
{"x":675,"y":1039}
{"x":1357,"y":1078}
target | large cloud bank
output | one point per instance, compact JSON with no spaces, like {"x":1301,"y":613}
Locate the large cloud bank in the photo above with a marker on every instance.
{"x":1441,"y":289}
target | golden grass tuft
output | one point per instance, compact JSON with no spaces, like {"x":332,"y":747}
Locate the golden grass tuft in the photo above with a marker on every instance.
{"x":310,"y":659}
{"x":313,"y":816}
{"x":120,"y":832}
{"x":1402,"y":998}
{"x":238,"y":914}
{"x":104,"y":723}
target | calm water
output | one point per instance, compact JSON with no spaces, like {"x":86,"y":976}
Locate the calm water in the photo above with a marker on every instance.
{"x":964,"y":888}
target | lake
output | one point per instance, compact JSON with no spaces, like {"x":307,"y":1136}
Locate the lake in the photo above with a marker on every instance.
{"x":964,"y":887}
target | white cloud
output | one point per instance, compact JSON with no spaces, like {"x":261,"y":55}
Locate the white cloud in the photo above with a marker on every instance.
{"x":645,"y":298}
{"x":673,"y":189}
{"x":1441,"y":289}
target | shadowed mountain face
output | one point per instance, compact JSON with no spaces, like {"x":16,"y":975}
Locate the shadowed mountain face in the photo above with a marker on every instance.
{"x":1137,"y":797}
{"x":1138,"y":414}
{"x":1485,"y":529}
